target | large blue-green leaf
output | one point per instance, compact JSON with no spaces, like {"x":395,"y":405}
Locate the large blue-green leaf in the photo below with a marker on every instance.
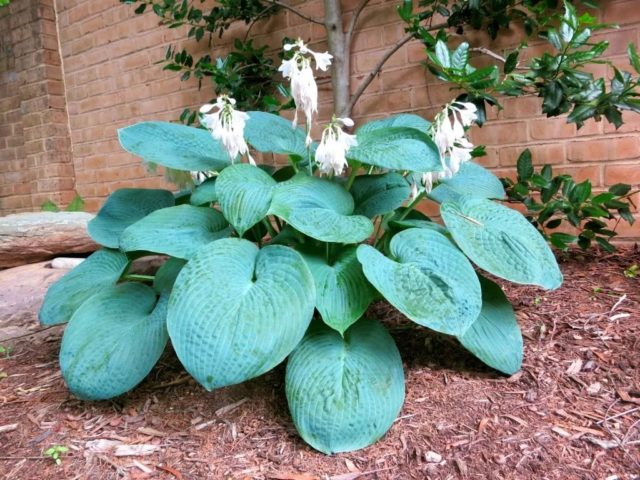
{"x":345,"y":393}
{"x":123,"y":208}
{"x":236,"y":312}
{"x":379,"y":194}
{"x":100,"y":270}
{"x":113,"y":341}
{"x":205,"y":193}
{"x":174,"y":146}
{"x":244,"y":194}
{"x":430,"y":280}
{"x":495,"y":337}
{"x":472,"y":180}
{"x":176,"y":231}
{"x":402,"y":120}
{"x":342,"y":291}
{"x":166,"y":275}
{"x":267,"y":132}
{"x":501,"y":241}
{"x":319,"y":208}
{"x":397,"y":148}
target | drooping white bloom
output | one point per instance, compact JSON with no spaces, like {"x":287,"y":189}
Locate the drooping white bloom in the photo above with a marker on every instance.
{"x":297,"y":69}
{"x":331,"y":153}
{"x":226,"y":125}
{"x":448,"y":131}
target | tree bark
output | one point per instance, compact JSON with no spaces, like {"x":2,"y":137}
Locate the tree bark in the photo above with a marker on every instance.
{"x":340,"y":48}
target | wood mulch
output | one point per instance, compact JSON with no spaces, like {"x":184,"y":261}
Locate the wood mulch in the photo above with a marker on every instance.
{"x":572,"y":412}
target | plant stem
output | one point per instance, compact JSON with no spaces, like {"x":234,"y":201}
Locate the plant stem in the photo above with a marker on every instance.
{"x":352,"y":176}
{"x":270,"y":228}
{"x":412,"y":205}
{"x":140,"y":278}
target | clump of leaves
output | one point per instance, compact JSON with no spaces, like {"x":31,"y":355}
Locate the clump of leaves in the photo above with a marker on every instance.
{"x":553,"y":201}
{"x":56,"y":452}
{"x":632,"y":271}
{"x":76,"y":205}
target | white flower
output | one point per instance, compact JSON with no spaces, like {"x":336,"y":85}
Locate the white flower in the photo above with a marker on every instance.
{"x":448,"y":131}
{"x":331,"y":153}
{"x":227,"y":126}
{"x":303,"y":84}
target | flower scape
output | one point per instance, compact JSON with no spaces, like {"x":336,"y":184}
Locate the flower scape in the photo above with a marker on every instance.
{"x":271,"y":264}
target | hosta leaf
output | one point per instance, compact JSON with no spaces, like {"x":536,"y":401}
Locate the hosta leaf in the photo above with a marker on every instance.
{"x":342,"y":291}
{"x":100,"y":270}
{"x":113,"y":341}
{"x":472,"y":180}
{"x":244,"y":193}
{"x":403,"y":120}
{"x":174,"y":146}
{"x":267,"y":132}
{"x":125,"y":207}
{"x":430,"y":281}
{"x":319,"y":208}
{"x":236,"y":312}
{"x":205,"y":193}
{"x":501,"y":241}
{"x":397,"y":148}
{"x":176,"y":231}
{"x":345,"y":393}
{"x":379,"y":194}
{"x":166,"y":275}
{"x":495,"y":337}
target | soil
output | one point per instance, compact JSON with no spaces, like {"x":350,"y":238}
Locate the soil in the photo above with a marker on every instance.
{"x":572,"y":412}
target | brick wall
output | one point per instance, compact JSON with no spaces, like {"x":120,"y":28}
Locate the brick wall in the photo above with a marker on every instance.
{"x":35,"y":156}
{"x":111,"y":80}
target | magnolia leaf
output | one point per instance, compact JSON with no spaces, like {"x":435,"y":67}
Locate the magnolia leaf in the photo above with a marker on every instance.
{"x":501,"y":241}
{"x":472,"y":180}
{"x":345,"y":393}
{"x":430,"y":281}
{"x":174,"y":146}
{"x":379,"y":194}
{"x":342,"y":291}
{"x":100,"y":270}
{"x":402,"y":120}
{"x":495,"y":337}
{"x":176,"y":231}
{"x":319,"y":208}
{"x":113,"y":341}
{"x":267,"y":132}
{"x":244,"y":193}
{"x":397,"y":148}
{"x":236,"y":311}
{"x":205,"y":193}
{"x":123,"y":208}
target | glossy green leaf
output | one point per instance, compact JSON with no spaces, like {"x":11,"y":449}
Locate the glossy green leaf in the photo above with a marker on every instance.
{"x":501,"y":241}
{"x":342,"y":291}
{"x":379,"y":194}
{"x":205,"y":193}
{"x":472,"y":180}
{"x":345,"y":393}
{"x":113,"y":341}
{"x":174,"y":146}
{"x":495,"y":336}
{"x":267,"y":132}
{"x":244,"y":193}
{"x":123,"y":208}
{"x":397,"y":148}
{"x":319,"y":208}
{"x":100,"y":270}
{"x":236,"y":312}
{"x":176,"y":231}
{"x":402,"y":120}
{"x":430,"y":280}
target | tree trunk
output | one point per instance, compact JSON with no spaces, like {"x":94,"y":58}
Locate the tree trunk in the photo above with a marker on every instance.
{"x":339,"y":47}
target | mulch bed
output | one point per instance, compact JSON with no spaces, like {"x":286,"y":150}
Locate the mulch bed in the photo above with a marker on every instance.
{"x":572,"y":412}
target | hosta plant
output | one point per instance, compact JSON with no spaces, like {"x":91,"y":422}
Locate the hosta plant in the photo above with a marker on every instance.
{"x":271,"y":264}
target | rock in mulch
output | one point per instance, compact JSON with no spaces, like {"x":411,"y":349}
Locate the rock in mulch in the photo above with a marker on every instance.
{"x":36,"y":236}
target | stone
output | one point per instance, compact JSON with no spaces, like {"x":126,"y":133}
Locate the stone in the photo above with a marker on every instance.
{"x":36,"y":236}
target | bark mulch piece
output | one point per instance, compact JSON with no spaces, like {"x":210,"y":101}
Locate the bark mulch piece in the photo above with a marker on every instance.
{"x":572,"y":412}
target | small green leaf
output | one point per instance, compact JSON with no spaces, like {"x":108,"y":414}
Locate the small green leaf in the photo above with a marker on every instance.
{"x":633,"y":57}
{"x":620,"y":189}
{"x":345,"y":393}
{"x":460,"y":56}
{"x":49,"y":206}
{"x":76,"y":205}
{"x":511,"y":62}
{"x":525,"y":166}
{"x":442,"y":54}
